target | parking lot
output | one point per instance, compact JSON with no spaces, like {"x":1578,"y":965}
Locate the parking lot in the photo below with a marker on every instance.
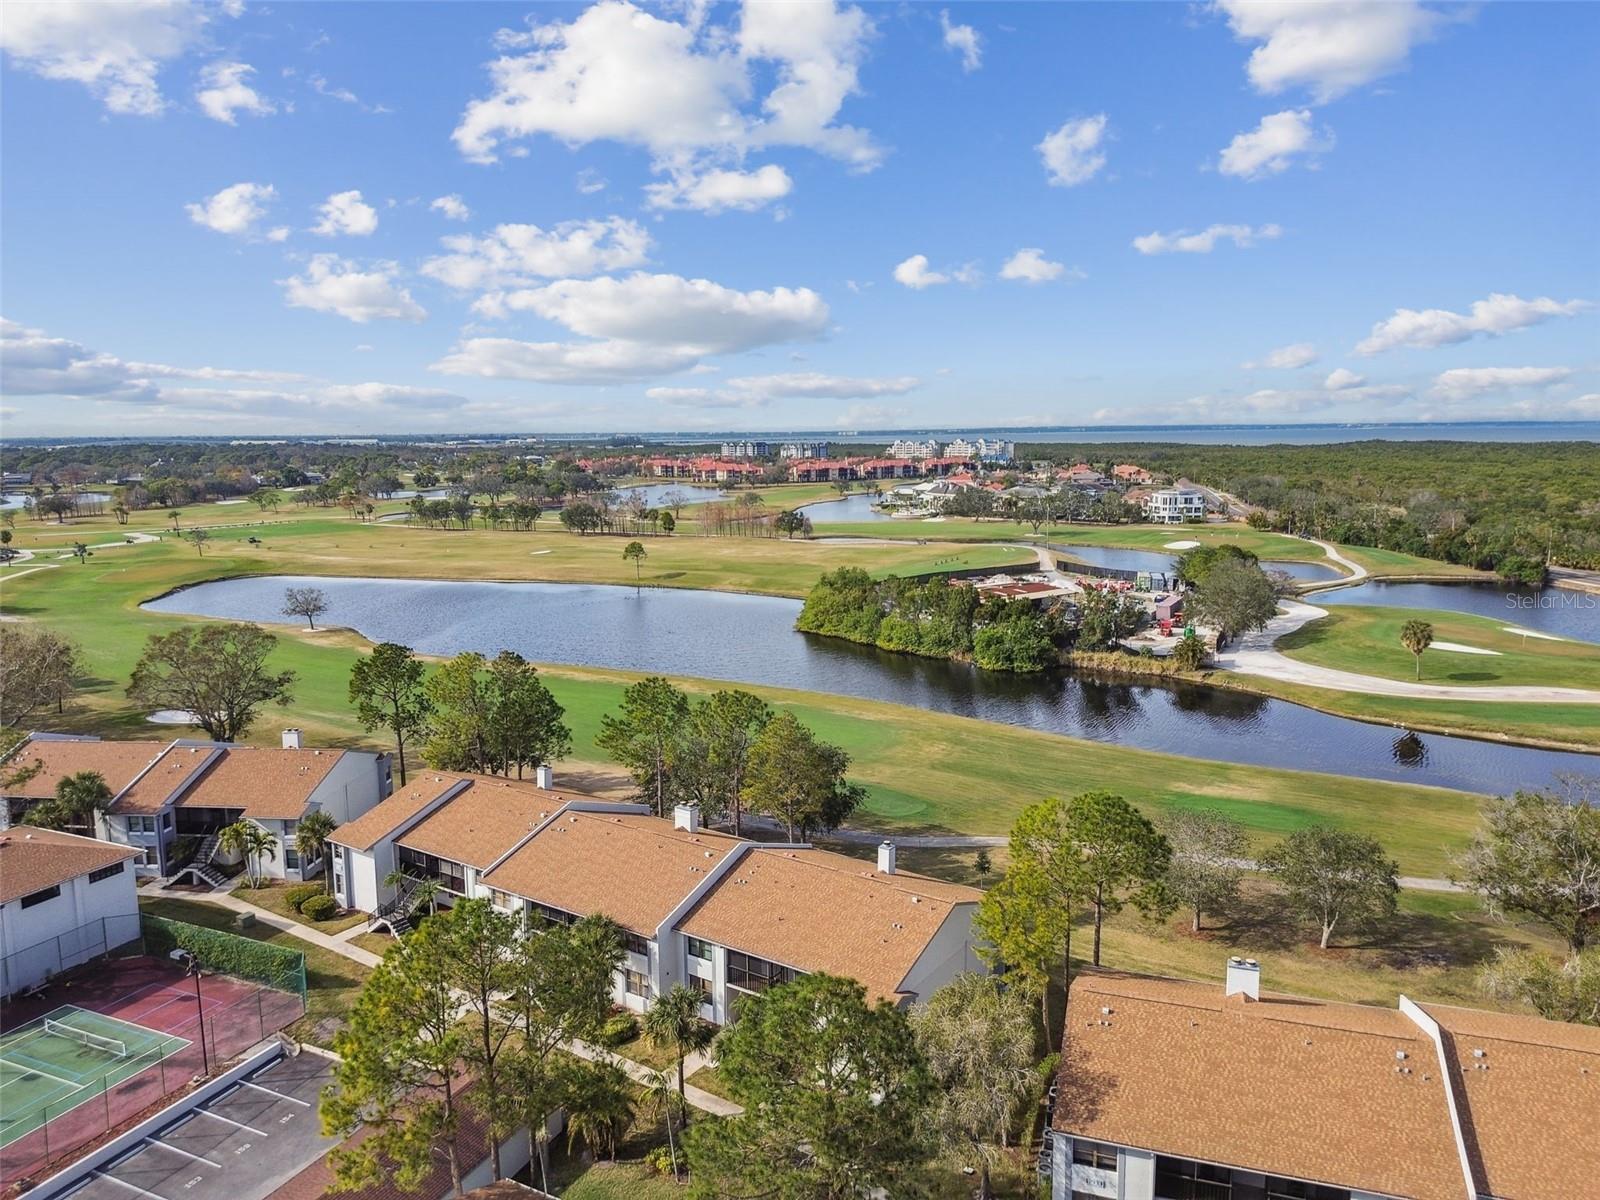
{"x":239,"y":1146}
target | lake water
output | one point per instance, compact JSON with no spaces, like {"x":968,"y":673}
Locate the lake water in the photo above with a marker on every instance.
{"x":1150,"y":560}
{"x":19,"y":500}
{"x":751,"y":639}
{"x":848,"y":510}
{"x":656,"y":494}
{"x":1557,"y":611}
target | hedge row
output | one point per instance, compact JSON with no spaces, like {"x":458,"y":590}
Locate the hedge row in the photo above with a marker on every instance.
{"x":227,"y":953}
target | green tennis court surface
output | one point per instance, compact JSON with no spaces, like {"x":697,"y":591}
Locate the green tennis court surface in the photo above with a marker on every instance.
{"x":66,"y":1058}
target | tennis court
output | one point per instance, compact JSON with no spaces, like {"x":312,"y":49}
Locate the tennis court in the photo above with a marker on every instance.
{"x":70,"y":1052}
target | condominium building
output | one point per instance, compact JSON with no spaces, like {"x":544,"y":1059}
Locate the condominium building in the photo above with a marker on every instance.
{"x":699,"y":907}
{"x":745,"y":449}
{"x":1174,"y":506}
{"x":981,"y":449}
{"x":803,"y":450}
{"x":1176,"y":1090}
{"x":910,"y":448}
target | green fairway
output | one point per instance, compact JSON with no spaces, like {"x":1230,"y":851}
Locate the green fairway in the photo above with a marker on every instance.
{"x":1367,"y":641}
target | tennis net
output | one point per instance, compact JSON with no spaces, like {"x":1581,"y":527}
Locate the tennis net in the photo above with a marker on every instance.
{"x":83,"y":1037}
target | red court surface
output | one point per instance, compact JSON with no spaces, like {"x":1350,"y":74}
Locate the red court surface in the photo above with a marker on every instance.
{"x":156,"y":995}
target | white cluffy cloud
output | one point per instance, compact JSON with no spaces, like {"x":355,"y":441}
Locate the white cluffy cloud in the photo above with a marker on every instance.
{"x":1464,"y":383}
{"x":964,"y":40}
{"x":640,"y":325}
{"x":346,"y":213}
{"x":1271,"y":147}
{"x":115,"y":50}
{"x":696,"y":95}
{"x":1342,"y":379}
{"x":453,"y":207}
{"x":914,"y":273}
{"x":1327,"y":46}
{"x":1181,"y":241}
{"x":717,"y":190}
{"x":512,"y":255}
{"x":1286,"y":358}
{"x":336,"y":285}
{"x":1073,"y":154}
{"x":1029,"y":265}
{"x":1496,"y":315}
{"x":225,"y":91}
{"x":234,"y":210}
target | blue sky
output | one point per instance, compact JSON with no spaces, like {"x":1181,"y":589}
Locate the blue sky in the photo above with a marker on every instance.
{"x":306,"y":217}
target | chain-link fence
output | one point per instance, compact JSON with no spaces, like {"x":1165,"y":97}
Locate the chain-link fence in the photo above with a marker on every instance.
{"x":33,"y":965}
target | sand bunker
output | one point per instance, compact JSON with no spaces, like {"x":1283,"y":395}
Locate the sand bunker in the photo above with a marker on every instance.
{"x":1458,"y":648}
{"x":1182,"y":545}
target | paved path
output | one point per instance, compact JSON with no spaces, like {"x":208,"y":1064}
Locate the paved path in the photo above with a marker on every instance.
{"x":640,"y":1073}
{"x":1255,"y":654}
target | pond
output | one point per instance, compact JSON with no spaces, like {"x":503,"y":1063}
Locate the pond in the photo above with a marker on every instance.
{"x":17,"y":501}
{"x":659,"y":495}
{"x":1150,"y":560}
{"x":1559,"y":612}
{"x":751,"y":639}
{"x":849,"y":510}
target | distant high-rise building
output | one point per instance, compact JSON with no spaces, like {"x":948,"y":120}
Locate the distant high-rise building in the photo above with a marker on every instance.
{"x":745,"y":449}
{"x":983,"y":449}
{"x":907,"y":448}
{"x":803,"y":450}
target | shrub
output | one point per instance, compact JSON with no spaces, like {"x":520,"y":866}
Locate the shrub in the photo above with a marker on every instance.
{"x":300,"y":893}
{"x":1189,"y":654}
{"x":226,"y":953}
{"x":619,"y":1029}
{"x":660,"y":1161}
{"x":320,"y":907}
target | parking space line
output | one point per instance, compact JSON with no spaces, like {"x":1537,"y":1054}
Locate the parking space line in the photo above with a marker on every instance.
{"x":132,"y":1187}
{"x":279,"y":1095}
{"x":206,"y":1112}
{"x":156,"y":1141}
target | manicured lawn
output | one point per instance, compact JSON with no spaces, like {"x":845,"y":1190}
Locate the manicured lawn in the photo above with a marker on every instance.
{"x":376,"y":943}
{"x":332,"y":980}
{"x":1367,"y":641}
{"x":1393,"y":562}
{"x":642,"y":1050}
{"x":275,"y":900}
{"x":621,"y":1181}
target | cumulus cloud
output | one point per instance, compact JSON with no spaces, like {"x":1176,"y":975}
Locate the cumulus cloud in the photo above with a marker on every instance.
{"x":346,"y":213}
{"x":1342,"y":379}
{"x":511,"y":255}
{"x":453,"y":207}
{"x":695,"y":95}
{"x":640,"y":325}
{"x":964,"y":40}
{"x":1327,"y":46}
{"x":235,"y":210}
{"x":914,"y":273}
{"x":1286,"y":358}
{"x":1073,"y":154}
{"x":1465,"y":383}
{"x":1029,"y":265}
{"x":115,"y":50}
{"x":717,"y":190}
{"x":1272,"y":146}
{"x":1498,"y":314}
{"x":336,"y":285}
{"x":225,"y":91}
{"x":1181,"y":241}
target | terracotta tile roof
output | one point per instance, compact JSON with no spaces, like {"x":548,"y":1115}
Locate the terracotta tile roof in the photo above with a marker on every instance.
{"x":34,"y":859}
{"x":175,"y":769}
{"x":634,"y":869}
{"x":118,"y":762}
{"x":266,"y":784}
{"x":819,"y":911}
{"x":483,"y":822}
{"x":372,"y":826}
{"x":1301,"y":1088}
{"x":1530,"y":1105}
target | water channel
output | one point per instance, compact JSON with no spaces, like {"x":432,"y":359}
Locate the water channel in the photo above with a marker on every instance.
{"x":751,"y":639}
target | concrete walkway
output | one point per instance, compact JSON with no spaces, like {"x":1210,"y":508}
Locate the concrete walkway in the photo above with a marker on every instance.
{"x":639,"y":1073}
{"x":1255,"y":654}
{"x":305,"y":933}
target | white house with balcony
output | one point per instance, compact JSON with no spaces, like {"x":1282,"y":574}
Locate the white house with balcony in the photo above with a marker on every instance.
{"x":1174,"y":506}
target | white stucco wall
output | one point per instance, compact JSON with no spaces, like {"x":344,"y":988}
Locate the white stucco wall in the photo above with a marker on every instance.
{"x":950,"y":952}
{"x":80,"y":903}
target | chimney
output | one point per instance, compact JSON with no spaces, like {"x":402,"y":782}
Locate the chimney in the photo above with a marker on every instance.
{"x":886,"y":857}
{"x":1244,"y":978}
{"x":545,"y":777}
{"x":687,"y":817}
{"x":291,"y":739}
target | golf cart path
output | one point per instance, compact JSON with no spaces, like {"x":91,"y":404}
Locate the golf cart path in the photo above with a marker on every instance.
{"x":1254,"y":654}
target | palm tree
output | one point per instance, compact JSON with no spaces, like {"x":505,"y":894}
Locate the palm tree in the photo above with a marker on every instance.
{"x":1416,"y":636}
{"x":663,"y":1098}
{"x":600,"y":1108}
{"x":173,"y":517}
{"x":78,"y":800}
{"x":251,"y":842}
{"x":674,"y":1022}
{"x":425,"y":889}
{"x":311,"y":840}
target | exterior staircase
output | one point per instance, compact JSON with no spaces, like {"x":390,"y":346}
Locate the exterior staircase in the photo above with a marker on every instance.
{"x":395,"y":914}
{"x":200,"y":866}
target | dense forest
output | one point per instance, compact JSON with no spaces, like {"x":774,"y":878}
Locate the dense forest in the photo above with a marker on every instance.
{"x":1506,"y":506}
{"x":934,"y":619}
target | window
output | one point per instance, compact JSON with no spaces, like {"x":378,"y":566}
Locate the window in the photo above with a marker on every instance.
{"x":1295,"y":1189}
{"x":751,"y":974}
{"x":106,"y":872}
{"x":634,"y":944}
{"x":1184,"y":1179}
{"x":141,"y":824}
{"x":451,"y":875}
{"x":636,"y":984}
{"x":542,"y":916}
{"x":49,"y":893}
{"x":504,"y":900}
{"x":699,"y":948}
{"x":705,"y":987}
{"x":1094,"y":1154}
{"x":291,"y":857}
